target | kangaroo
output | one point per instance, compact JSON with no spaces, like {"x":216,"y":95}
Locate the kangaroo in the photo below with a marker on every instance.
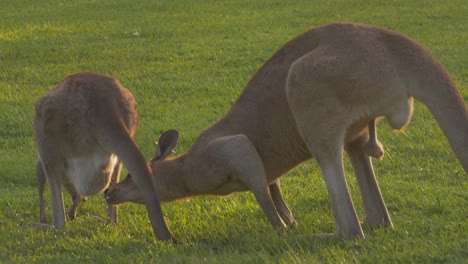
{"x":84,"y":131}
{"x":314,"y":98}
{"x":126,"y":190}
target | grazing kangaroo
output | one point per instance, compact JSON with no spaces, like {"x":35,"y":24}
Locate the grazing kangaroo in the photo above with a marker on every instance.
{"x":317,"y":96}
{"x":84,"y":131}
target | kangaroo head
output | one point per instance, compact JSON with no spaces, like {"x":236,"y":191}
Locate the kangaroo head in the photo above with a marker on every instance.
{"x":127,"y":190}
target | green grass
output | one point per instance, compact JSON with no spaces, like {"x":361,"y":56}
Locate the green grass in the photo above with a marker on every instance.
{"x":186,"y":62}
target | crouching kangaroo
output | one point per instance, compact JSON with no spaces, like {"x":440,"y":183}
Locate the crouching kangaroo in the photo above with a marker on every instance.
{"x":317,"y":96}
{"x":236,"y":168}
{"x":84,"y":131}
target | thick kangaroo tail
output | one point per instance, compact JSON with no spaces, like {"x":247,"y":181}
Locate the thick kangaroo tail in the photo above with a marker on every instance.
{"x":428,"y":81}
{"x":439,"y":93}
{"x":449,"y":110}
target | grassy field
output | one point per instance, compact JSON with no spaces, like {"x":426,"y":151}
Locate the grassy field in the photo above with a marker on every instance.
{"x":186,"y":62}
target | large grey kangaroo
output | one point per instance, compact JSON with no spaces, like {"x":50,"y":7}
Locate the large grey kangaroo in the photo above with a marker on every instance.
{"x":317,"y":96}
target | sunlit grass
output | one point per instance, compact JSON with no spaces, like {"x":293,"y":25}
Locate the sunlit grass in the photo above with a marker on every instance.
{"x":186,"y":62}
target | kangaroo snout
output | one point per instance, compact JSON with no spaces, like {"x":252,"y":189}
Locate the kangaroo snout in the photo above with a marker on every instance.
{"x":124,"y":191}
{"x":109,"y":195}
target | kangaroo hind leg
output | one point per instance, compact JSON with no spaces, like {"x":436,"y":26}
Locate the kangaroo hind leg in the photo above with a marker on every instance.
{"x":41,"y":181}
{"x":322,"y":124}
{"x":376,"y":214}
{"x":53,"y":173}
{"x":329,"y":158}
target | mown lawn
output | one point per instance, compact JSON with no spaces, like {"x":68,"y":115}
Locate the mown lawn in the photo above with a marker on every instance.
{"x":186,"y":62}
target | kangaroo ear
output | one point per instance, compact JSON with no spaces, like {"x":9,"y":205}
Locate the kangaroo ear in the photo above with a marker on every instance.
{"x":166,"y":144}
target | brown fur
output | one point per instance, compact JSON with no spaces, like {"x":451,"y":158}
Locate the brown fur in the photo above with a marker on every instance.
{"x":316,"y":96}
{"x":84,"y":129}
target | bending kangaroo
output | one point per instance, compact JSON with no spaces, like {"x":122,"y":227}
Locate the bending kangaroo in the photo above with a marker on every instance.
{"x":84,"y":132}
{"x":317,"y":96}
